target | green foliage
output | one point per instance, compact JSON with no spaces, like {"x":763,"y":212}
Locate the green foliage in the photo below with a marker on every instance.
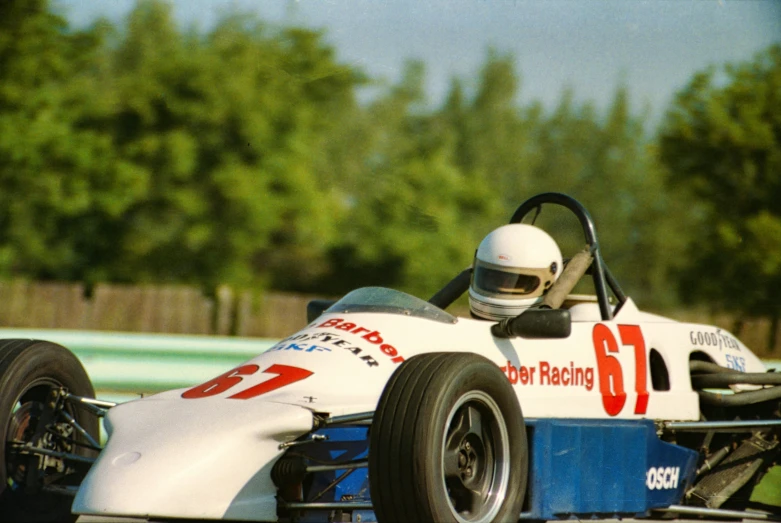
{"x":413,"y":215}
{"x":160,"y":156}
{"x":145,"y":153}
{"x":53,"y":169}
{"x":722,"y":142}
{"x":607,"y":164}
{"x":494,"y":136}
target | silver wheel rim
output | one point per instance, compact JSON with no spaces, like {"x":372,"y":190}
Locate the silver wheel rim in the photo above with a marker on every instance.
{"x":475,"y":459}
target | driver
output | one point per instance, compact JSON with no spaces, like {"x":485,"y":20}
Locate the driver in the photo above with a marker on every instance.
{"x":514,"y":267}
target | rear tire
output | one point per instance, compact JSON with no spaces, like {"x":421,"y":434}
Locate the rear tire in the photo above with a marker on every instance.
{"x":31,"y":372}
{"x":448,"y":443}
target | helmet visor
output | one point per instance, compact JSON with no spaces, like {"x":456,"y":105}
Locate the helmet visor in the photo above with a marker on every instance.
{"x":508,"y":282}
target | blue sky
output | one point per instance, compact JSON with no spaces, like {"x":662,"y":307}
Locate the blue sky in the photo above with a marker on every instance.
{"x":590,"y":45}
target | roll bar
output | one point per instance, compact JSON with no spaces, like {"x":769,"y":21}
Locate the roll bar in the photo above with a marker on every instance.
{"x":600,"y":273}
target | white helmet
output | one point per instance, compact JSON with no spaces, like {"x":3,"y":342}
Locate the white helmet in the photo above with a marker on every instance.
{"x":514,"y":266}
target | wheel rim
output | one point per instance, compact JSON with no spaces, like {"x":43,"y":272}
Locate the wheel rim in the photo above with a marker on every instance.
{"x":475,"y":458}
{"x":21,"y":428}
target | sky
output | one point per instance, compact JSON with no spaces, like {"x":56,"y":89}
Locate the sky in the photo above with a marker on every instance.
{"x":591,"y":46}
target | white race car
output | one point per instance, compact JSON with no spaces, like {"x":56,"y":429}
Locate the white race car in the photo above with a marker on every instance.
{"x":388,"y":408}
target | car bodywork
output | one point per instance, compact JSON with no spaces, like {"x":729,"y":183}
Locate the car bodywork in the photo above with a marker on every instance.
{"x":615,"y":423}
{"x":600,"y":431}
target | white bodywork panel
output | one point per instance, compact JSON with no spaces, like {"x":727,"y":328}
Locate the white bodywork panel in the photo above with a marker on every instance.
{"x":208,"y":454}
{"x":197,"y":459}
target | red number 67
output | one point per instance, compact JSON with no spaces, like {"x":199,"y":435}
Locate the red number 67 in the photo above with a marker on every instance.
{"x":611,"y":376}
{"x":285,"y":375}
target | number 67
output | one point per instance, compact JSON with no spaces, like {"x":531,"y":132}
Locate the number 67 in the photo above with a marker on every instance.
{"x":609,"y":368}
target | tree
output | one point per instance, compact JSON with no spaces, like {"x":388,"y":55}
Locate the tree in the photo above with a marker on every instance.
{"x":193,"y":116}
{"x":55,"y":169}
{"x":240,"y":156}
{"x":721,"y":140}
{"x":605,"y":162}
{"x":624,"y":188}
{"x":151,"y":154}
{"x":413,"y":221}
{"x":492,"y":135}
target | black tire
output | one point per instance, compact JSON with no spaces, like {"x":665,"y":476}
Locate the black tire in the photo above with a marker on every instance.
{"x":448,"y":443}
{"x":30,"y":371}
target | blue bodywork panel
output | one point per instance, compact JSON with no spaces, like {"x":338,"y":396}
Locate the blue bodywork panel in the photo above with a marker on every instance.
{"x":343,"y":444}
{"x":577,"y":469}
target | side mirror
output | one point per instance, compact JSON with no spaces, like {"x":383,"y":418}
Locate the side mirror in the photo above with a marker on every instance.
{"x":535,"y":323}
{"x":317,"y":307}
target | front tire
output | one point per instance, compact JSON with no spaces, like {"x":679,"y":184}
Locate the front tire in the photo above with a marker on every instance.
{"x":31,"y":374}
{"x":448,"y":443}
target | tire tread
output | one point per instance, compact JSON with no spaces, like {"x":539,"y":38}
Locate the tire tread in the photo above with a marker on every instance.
{"x":399,"y":473}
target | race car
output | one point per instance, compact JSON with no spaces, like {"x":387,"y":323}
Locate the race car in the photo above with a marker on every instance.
{"x":388,"y":408}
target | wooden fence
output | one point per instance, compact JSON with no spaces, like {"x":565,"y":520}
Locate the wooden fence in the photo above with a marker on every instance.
{"x":150,"y":308}
{"x":185,"y":310}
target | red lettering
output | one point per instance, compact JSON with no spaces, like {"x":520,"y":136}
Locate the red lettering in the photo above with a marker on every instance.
{"x":611,"y":378}
{"x":523,"y":375}
{"x":390,"y":350}
{"x":631,"y":335}
{"x":221,"y":383}
{"x":512,"y":373}
{"x":544,"y":373}
{"x":609,"y":368}
{"x":330,"y":323}
{"x":285,"y":376}
{"x":373,"y":337}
